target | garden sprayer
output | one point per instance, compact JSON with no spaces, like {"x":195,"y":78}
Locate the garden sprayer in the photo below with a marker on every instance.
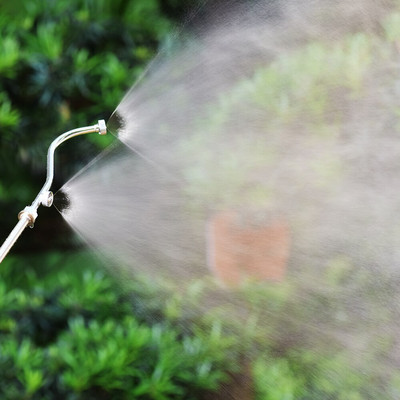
{"x":29,"y":214}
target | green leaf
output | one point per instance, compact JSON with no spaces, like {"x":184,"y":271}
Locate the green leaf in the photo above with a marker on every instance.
{"x":9,"y":117}
{"x":9,"y":50}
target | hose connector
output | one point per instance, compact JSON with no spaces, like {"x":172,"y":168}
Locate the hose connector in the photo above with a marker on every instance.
{"x":30,"y":213}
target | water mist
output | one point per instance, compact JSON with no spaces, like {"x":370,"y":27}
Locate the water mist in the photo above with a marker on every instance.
{"x":265,"y":155}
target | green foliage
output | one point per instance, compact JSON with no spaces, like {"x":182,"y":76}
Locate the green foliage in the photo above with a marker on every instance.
{"x":9,"y":49}
{"x":308,"y":375}
{"x":275,"y":380}
{"x":73,"y":334}
{"x":8,"y":116}
{"x":21,"y":366}
{"x":392,"y":27}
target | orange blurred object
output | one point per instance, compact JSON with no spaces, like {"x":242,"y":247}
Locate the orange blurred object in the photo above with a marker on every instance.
{"x":238,"y":251}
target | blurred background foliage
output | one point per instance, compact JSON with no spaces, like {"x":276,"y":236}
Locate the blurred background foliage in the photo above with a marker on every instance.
{"x":68,"y":330}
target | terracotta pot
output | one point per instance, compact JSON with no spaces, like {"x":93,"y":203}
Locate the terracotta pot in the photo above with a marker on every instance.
{"x":238,"y":251}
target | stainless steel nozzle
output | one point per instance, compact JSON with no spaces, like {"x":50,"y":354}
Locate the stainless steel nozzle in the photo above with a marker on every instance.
{"x":29,"y":214}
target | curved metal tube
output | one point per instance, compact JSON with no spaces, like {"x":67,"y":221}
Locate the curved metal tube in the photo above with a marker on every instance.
{"x":28,"y":215}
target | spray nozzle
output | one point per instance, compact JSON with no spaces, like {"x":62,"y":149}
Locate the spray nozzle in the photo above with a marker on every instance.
{"x":102,"y":127}
{"x":46,"y":199}
{"x":28,"y":215}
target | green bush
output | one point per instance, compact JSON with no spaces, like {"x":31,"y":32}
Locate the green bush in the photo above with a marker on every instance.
{"x":308,"y":375}
{"x":275,"y":380}
{"x":72,"y":334}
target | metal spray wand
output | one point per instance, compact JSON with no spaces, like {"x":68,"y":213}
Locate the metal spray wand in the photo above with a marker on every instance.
{"x":29,"y":214}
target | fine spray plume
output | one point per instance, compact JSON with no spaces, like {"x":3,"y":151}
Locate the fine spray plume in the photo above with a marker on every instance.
{"x":257,"y":179}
